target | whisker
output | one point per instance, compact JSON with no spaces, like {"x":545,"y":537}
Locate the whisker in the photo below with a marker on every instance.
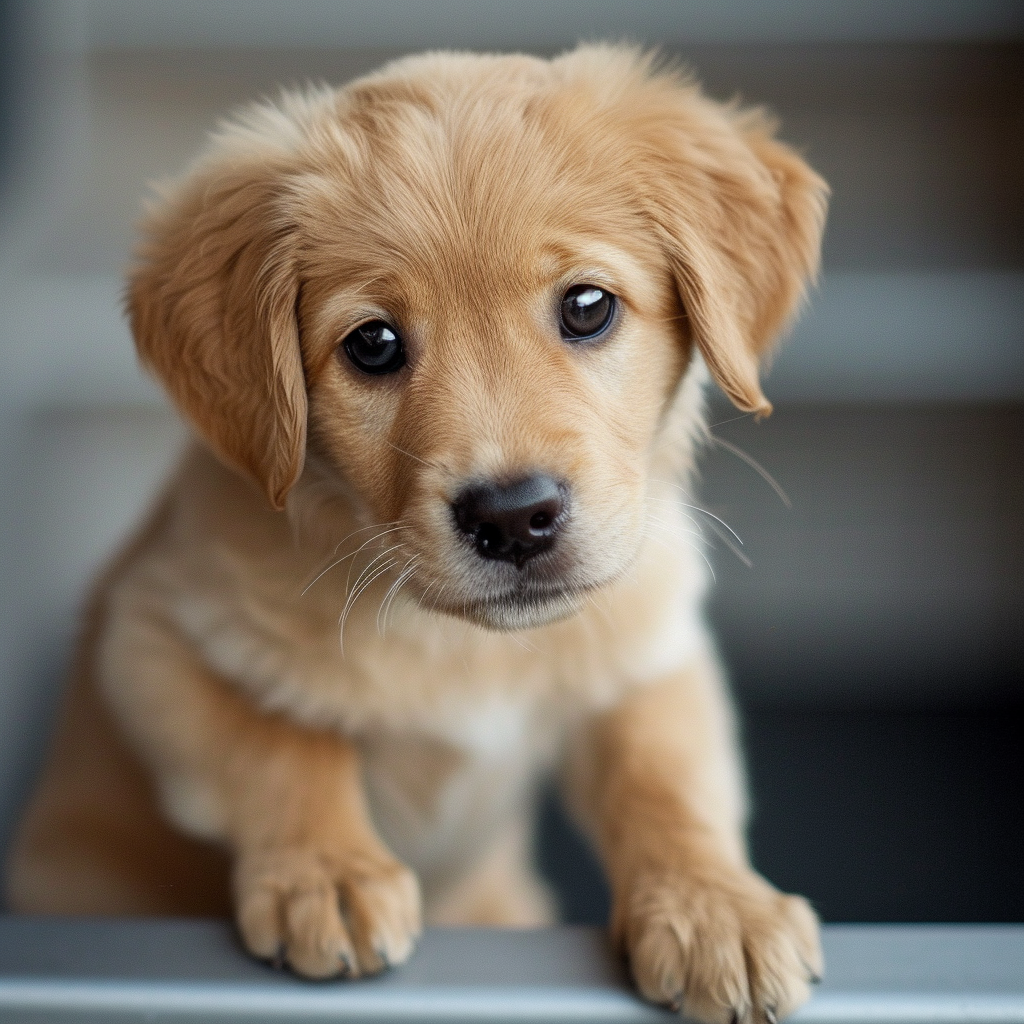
{"x":363,"y":529}
{"x":727,"y":541}
{"x":349,"y":586}
{"x":674,"y":528}
{"x":354,"y":596}
{"x":365,"y":573}
{"x":415,"y":458}
{"x":717,"y":519}
{"x":706,"y":559}
{"x":385,"y":605}
{"x":522,"y":642}
{"x":689,"y":543}
{"x":718,"y":531}
{"x":412,"y":573}
{"x":351,"y":554}
{"x":659,"y":540}
{"x":677,"y":505}
{"x":388,"y":593}
{"x":437,"y":599}
{"x":605,"y":613}
{"x":704,"y":511}
{"x":754,"y":465}
{"x":731,"y":419}
{"x":366,"y":577}
{"x":348,"y":578}
{"x":423,"y":596}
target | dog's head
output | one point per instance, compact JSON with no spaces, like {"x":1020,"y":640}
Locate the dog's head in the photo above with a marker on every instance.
{"x":465,"y":290}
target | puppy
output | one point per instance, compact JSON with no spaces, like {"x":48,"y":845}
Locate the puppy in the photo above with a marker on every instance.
{"x":442,"y":335}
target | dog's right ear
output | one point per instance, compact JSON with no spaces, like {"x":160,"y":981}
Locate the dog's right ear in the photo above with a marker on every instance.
{"x":212,"y":302}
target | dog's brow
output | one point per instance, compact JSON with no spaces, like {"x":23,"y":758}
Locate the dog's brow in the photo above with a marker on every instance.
{"x":343,"y":311}
{"x":611,"y":267}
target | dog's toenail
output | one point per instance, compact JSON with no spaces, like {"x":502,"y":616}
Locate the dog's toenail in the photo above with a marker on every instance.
{"x":278,"y":960}
{"x":346,"y":964}
{"x":812,"y":975}
{"x":770,"y":1015}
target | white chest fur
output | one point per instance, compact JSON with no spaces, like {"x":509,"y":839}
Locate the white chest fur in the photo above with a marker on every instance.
{"x":438,"y":803}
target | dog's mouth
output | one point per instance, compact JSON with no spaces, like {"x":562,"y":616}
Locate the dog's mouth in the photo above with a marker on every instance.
{"x":525,"y":607}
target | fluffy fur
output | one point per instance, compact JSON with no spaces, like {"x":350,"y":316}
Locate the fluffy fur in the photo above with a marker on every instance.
{"x":226,"y":740}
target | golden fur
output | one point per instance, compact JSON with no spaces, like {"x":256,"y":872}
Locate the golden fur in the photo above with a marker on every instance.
{"x":362,"y":773}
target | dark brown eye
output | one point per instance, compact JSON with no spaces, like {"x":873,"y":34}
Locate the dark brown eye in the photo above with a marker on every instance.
{"x":375,"y":347}
{"x":586,"y":312}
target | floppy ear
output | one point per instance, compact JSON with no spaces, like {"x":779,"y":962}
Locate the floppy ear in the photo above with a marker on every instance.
{"x":741,"y":218}
{"x":212,"y":306}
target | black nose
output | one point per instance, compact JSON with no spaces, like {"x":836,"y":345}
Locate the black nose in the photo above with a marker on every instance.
{"x":511,"y":522}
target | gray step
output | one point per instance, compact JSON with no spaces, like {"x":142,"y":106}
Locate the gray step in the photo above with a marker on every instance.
{"x":65,"y":971}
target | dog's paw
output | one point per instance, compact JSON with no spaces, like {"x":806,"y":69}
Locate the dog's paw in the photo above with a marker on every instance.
{"x":725,"y":949}
{"x":324,"y":917}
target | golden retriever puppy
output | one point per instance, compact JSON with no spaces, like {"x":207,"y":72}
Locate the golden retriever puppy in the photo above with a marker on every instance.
{"x":442,"y":335}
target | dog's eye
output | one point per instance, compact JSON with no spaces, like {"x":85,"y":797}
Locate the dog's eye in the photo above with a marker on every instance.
{"x":586,"y":312}
{"x":375,"y":347}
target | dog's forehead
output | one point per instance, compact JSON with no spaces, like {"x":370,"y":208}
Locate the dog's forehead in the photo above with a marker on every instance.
{"x":485,"y":190}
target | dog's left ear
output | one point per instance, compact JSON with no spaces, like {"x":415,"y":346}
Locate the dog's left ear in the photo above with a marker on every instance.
{"x":741,"y":218}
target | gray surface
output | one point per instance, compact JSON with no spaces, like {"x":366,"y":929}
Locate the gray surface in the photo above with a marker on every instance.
{"x":535,"y":22}
{"x":78,"y":970}
{"x":72,"y":485}
{"x":922,"y":144}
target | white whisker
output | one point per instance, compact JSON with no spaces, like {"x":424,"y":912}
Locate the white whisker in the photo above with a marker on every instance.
{"x":731,"y":419}
{"x":674,"y":529}
{"x":704,"y":511}
{"x":711,"y":568}
{"x":605,"y":613}
{"x":423,"y":596}
{"x":363,"y":529}
{"x":677,"y":505}
{"x":727,"y":541}
{"x":659,"y":540}
{"x":437,"y":599}
{"x":522,"y":642}
{"x":354,"y":596}
{"x":352,"y":554}
{"x":754,"y":465}
{"x":348,"y":578}
{"x":385,"y":605}
{"x":415,"y":458}
{"x":718,"y":531}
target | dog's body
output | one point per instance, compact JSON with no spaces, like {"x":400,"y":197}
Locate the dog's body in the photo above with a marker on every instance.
{"x":355,"y":300}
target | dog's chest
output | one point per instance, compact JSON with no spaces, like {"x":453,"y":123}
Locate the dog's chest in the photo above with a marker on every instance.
{"x":440,"y":801}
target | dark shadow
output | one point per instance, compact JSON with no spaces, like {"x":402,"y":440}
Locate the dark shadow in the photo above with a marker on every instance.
{"x":875,"y":814}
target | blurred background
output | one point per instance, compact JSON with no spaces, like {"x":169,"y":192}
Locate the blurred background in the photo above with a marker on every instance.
{"x":874,"y":638}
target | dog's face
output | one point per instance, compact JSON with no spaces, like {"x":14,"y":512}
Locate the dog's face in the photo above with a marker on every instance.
{"x":466,"y":290}
{"x":489,"y":348}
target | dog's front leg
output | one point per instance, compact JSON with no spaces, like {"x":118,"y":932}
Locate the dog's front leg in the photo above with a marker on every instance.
{"x":657,"y":779}
{"x":313,"y":883}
